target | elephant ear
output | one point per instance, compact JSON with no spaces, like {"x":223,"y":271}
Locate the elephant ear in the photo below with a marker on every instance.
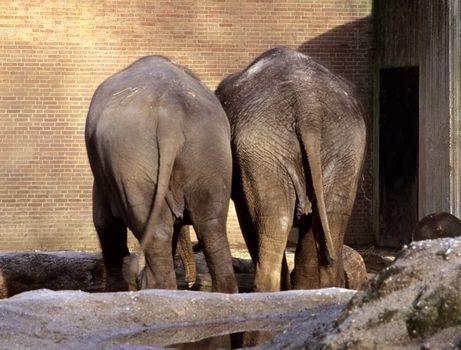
{"x":310,"y":140}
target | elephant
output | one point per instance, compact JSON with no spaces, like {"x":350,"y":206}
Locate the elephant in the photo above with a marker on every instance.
{"x":298,"y":137}
{"x":437,"y":225}
{"x":158,"y":144}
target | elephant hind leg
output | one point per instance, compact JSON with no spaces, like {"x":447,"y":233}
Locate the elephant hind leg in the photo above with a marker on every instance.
{"x":251,"y":241}
{"x":273,"y":235}
{"x":212,"y":237}
{"x":332,"y":275}
{"x":112,"y":235}
{"x":208,"y":213}
{"x":158,"y":252}
{"x":265,"y":227}
{"x":154,"y":235}
{"x":306,"y":274}
{"x":285,"y":280}
{"x":311,"y":271}
{"x":248,"y":228}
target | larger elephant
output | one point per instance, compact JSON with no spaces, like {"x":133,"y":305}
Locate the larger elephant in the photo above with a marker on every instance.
{"x":158,"y":143}
{"x":298,"y":142}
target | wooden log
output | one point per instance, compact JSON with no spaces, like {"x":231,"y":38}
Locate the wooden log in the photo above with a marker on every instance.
{"x":20,"y":272}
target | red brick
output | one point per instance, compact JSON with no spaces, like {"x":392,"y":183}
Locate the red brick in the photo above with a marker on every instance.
{"x":53,"y":54}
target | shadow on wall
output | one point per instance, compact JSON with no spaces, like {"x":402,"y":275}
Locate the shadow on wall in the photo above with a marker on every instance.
{"x":346,"y":50}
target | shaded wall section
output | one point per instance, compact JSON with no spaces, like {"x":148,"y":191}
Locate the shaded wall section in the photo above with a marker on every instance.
{"x":425,"y":35}
{"x":53,"y":54}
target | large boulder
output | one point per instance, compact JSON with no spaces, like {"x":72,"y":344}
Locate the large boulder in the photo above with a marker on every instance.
{"x":149,"y":319}
{"x":437,"y":225}
{"x":415,"y":303}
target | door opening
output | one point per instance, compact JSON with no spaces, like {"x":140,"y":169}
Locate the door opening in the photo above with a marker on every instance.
{"x":398,"y":154}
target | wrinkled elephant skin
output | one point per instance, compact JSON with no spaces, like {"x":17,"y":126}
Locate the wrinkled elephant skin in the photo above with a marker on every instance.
{"x":298,"y":143}
{"x":158,"y":143}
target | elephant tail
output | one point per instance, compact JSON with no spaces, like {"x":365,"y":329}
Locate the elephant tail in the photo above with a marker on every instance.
{"x":169,"y":141}
{"x":310,"y":141}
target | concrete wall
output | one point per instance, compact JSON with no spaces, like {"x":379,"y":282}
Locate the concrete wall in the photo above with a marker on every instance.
{"x":426,"y":34}
{"x":53,"y":54}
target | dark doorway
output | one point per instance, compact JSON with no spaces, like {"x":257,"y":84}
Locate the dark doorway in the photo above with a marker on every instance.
{"x":398,"y":154}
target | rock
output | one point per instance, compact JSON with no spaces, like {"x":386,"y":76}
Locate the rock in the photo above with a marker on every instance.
{"x":377,"y":260}
{"x":151,"y":318}
{"x":437,"y":225}
{"x":415,"y":303}
{"x":21,"y":272}
{"x":243,"y":265}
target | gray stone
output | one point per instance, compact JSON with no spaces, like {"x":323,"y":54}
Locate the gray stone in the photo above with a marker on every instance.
{"x":150,"y":319}
{"x":415,"y":303}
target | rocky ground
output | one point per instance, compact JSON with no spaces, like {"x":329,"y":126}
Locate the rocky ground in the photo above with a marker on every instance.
{"x":412,"y":303}
{"x":151,"y":319}
{"x":415,"y":303}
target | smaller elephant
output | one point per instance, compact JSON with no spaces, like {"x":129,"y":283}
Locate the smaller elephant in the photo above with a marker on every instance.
{"x":437,"y":225}
{"x":158,"y":144}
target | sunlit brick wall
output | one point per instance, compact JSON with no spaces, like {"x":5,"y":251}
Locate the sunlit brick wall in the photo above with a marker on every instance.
{"x":53,"y":54}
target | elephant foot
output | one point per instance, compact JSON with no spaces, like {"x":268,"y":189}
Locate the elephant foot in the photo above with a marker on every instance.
{"x":226,"y":285}
{"x":115,"y":281}
{"x":125,"y":278}
{"x":130,"y":271}
{"x":146,"y":280}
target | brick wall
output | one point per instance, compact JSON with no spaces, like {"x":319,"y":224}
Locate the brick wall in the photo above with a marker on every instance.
{"x":53,"y":54}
